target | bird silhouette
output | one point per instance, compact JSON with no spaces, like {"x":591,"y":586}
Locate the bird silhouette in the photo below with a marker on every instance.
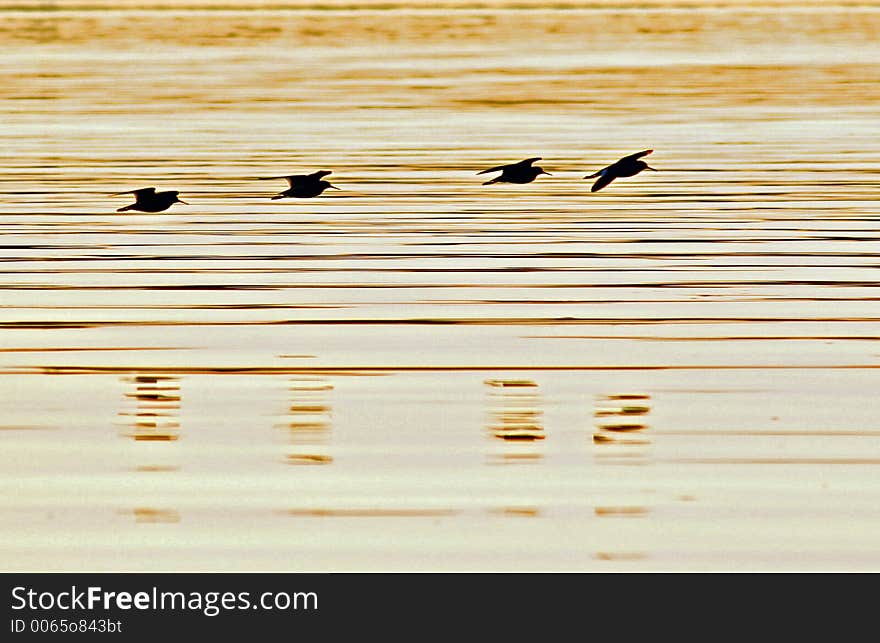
{"x":303,"y":186}
{"x":522,"y":172}
{"x":148,"y":200}
{"x":627,"y":166}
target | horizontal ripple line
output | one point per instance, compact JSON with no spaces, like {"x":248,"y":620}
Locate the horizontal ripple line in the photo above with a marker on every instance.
{"x":370,"y":370}
{"x":830,"y":433}
{"x":776,"y":460}
{"x":728,"y":338}
{"x":422,"y":286}
{"x":448,"y":321}
{"x":392,"y":256}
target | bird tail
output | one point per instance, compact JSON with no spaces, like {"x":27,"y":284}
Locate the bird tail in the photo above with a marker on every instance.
{"x":491,"y":181}
{"x":128,"y":207}
{"x":604,"y":180}
{"x":278,"y":196}
{"x":593,"y":176}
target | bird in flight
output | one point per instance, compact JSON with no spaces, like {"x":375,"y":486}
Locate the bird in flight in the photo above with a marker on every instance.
{"x":148,"y":200}
{"x":627,"y":166}
{"x":303,"y":186}
{"x":522,"y":172}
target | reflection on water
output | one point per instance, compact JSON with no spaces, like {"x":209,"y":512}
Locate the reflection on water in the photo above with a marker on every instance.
{"x":621,"y":511}
{"x":151,"y":417}
{"x":308,"y":422}
{"x":516,"y":415}
{"x":515,"y":419}
{"x":715,"y":322}
{"x":156,"y":408}
{"x":619,"y":555}
{"x":621,"y":423}
{"x":518,"y":512}
{"x":152,"y":515}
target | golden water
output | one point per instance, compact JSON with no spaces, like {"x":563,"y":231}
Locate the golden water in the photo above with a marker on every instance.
{"x":418,"y":372}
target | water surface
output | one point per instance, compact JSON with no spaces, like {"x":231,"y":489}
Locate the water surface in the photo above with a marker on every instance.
{"x":419,"y":372}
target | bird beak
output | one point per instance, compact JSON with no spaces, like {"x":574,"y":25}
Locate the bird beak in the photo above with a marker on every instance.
{"x":334,"y":187}
{"x":119,"y":193}
{"x":547,"y":173}
{"x":648,"y":167}
{"x":182,"y":201}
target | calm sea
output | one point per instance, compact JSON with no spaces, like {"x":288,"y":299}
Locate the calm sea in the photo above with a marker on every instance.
{"x":419,"y":372}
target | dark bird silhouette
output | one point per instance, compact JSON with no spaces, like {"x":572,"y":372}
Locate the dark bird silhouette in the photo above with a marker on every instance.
{"x":522,"y":172}
{"x":148,"y":200}
{"x":303,"y":186}
{"x":627,"y":166}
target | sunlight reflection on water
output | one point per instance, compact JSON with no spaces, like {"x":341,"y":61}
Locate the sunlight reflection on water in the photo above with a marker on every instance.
{"x":678,"y":372}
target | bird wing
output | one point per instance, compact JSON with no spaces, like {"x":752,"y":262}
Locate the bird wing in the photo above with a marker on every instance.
{"x":293,"y":180}
{"x":637,"y":155}
{"x":297,"y":180}
{"x":605,"y":177}
{"x":143,"y":192}
{"x":499,"y":168}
